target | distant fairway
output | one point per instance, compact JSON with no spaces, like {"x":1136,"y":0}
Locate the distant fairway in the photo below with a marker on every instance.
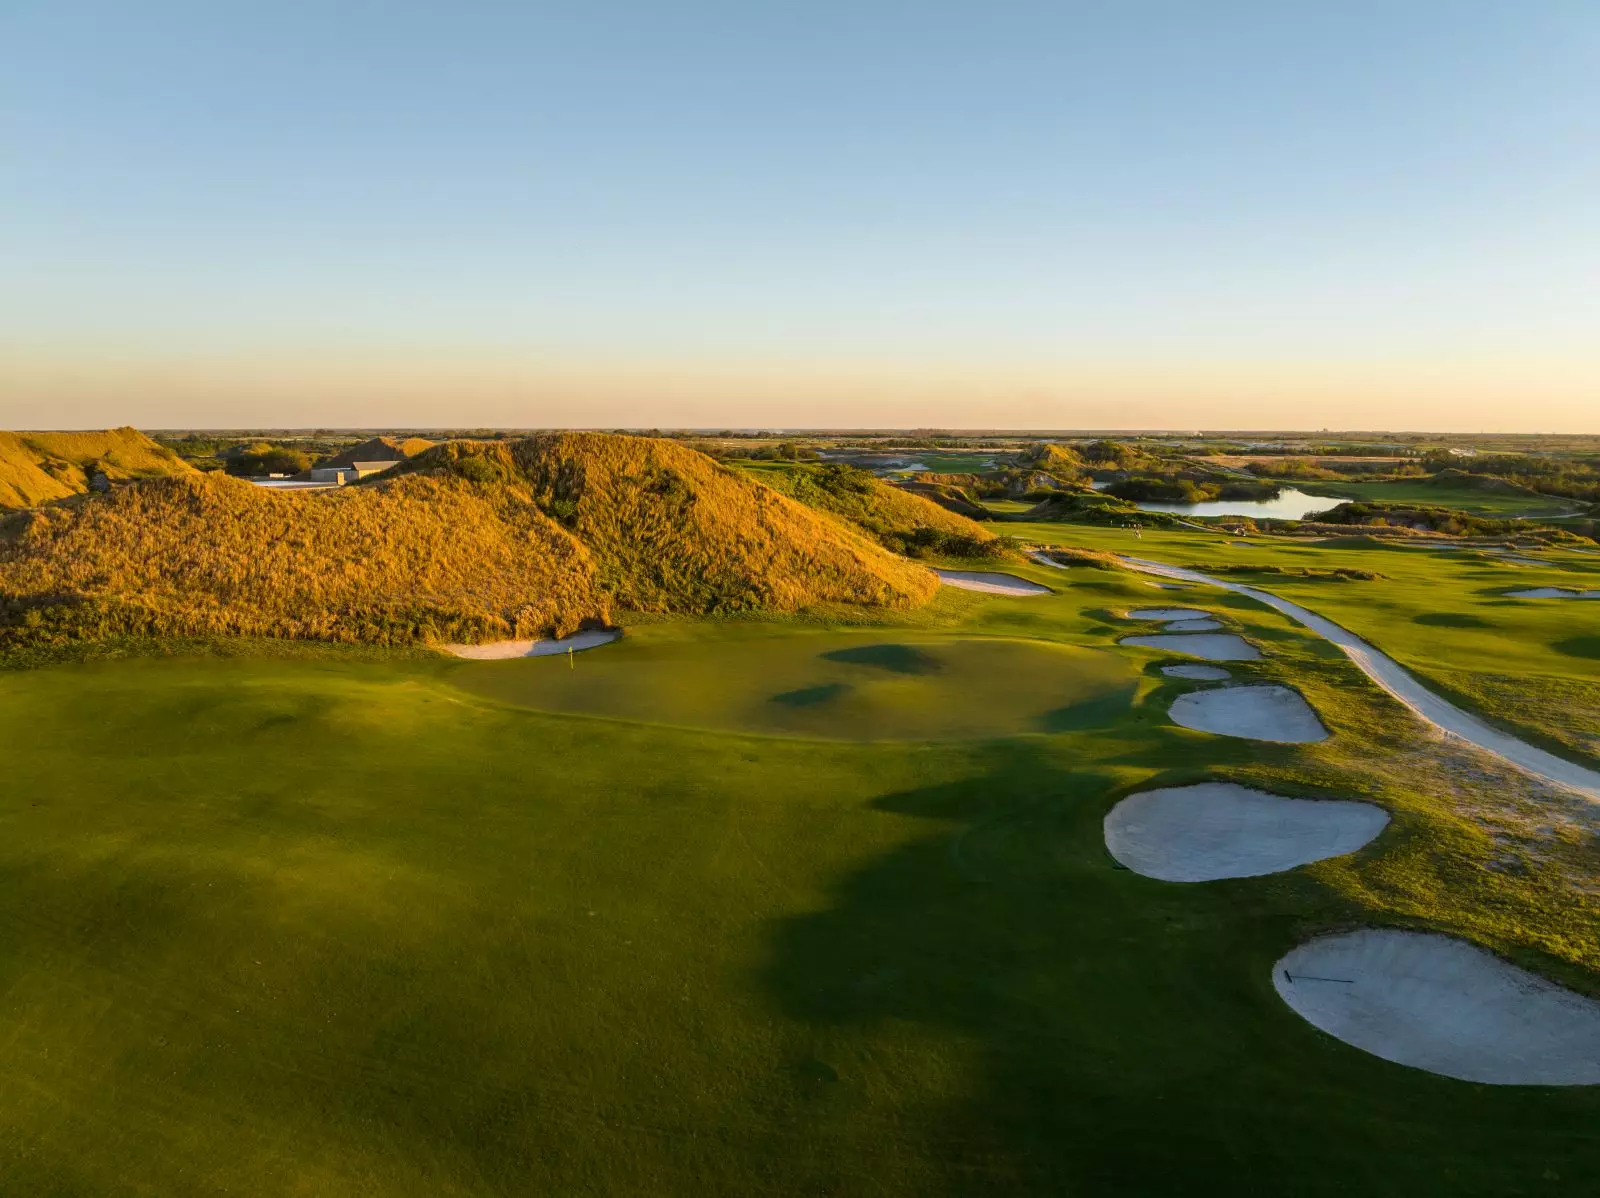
{"x":1442,"y":612}
{"x":1479,"y":501}
{"x":316,"y":922}
{"x":849,"y":686}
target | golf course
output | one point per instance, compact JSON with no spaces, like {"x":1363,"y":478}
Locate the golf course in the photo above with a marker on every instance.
{"x":811,"y":902}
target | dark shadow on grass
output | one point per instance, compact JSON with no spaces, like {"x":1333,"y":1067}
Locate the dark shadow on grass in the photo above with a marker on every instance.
{"x":1579,"y":646}
{"x":1095,"y":1032}
{"x":897,"y":659}
{"x":1094,"y":713}
{"x":812,"y":696}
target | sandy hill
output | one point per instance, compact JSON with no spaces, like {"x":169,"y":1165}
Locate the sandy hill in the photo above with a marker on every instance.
{"x":902,"y":520}
{"x":380,"y":449}
{"x":1052,"y":459}
{"x":37,"y":468}
{"x":672,"y":530}
{"x":472,"y":542}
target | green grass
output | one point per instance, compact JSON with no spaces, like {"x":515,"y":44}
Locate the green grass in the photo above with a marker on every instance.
{"x":940,"y":462}
{"x":1009,"y":506}
{"x":1440,"y":612}
{"x":1468,"y":499}
{"x":353,"y":925}
{"x":859,"y":685}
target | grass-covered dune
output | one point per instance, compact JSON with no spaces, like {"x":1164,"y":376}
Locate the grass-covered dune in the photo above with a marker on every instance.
{"x":672,"y":530}
{"x":900,"y":520}
{"x":472,"y":542}
{"x":380,"y":449}
{"x":37,"y":468}
{"x":210,"y":555}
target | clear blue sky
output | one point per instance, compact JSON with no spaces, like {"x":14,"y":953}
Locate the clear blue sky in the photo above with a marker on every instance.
{"x":1112,"y":214}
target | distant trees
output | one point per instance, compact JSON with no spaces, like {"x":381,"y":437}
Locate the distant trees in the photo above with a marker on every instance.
{"x":264,"y":458}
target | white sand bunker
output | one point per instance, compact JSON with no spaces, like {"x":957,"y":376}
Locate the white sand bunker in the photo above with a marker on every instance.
{"x":1168,"y":613}
{"x":990,"y":583}
{"x":1551,"y":593}
{"x":1437,"y":1003}
{"x":501,"y":650}
{"x":1223,"y":830}
{"x":1213,"y":646}
{"x":1255,"y":712}
{"x":1197,"y":673}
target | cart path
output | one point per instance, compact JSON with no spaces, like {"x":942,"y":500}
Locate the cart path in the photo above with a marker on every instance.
{"x":1398,"y":682}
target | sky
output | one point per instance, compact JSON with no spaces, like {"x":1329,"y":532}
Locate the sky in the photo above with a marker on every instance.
{"x":1111,"y":214}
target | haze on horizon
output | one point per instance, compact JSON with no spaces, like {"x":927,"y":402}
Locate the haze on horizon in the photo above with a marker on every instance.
{"x":1037,"y":215}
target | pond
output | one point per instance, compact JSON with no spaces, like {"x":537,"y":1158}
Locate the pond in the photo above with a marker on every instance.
{"x":1291,"y":504}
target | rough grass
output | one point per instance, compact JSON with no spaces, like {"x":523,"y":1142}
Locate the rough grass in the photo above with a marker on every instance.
{"x":899,"y":520}
{"x":671,"y":530}
{"x":345,"y":927}
{"x":469,"y":542}
{"x":37,"y":468}
{"x":380,"y":449}
{"x":202,"y":555}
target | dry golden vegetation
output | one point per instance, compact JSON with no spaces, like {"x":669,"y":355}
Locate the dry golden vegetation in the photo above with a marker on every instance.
{"x":380,"y":449}
{"x":212,"y":555}
{"x":672,"y":530}
{"x":473,"y":541}
{"x":37,"y":468}
{"x":900,"y":520}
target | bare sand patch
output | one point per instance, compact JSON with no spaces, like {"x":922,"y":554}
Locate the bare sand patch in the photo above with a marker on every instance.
{"x":1223,"y":830}
{"x":1197,"y":673}
{"x":1213,"y":646}
{"x":504,"y":650}
{"x":1165,"y":614}
{"x":1399,"y":683}
{"x":991,"y":583}
{"x":1551,"y":593}
{"x":1273,"y":713}
{"x":1440,"y":1004}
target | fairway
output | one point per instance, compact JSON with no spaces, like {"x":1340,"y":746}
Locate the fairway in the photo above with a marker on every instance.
{"x":377,"y":926}
{"x":1477,"y":501}
{"x":851,"y":686}
{"x":1528,"y":666}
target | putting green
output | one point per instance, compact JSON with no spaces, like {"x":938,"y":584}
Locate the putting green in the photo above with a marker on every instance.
{"x":879,"y":685}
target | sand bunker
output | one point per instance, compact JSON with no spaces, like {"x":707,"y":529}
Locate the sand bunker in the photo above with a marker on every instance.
{"x":1168,"y":613}
{"x":1196,"y":673}
{"x":1255,"y":712}
{"x":1437,"y":1003}
{"x":990,"y":583}
{"x":1551,"y":593}
{"x":1218,"y":646}
{"x":1223,"y":830}
{"x":1207,"y":625}
{"x":501,"y":650}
